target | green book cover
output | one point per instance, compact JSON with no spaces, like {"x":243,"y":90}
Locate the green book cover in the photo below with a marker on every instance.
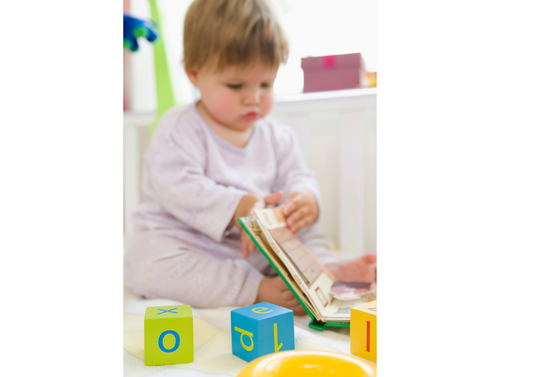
{"x":315,"y":323}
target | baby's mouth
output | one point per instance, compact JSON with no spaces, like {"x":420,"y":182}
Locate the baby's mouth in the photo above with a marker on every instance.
{"x":252,"y":115}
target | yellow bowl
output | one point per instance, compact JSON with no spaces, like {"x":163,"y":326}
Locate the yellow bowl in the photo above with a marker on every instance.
{"x":308,"y":364}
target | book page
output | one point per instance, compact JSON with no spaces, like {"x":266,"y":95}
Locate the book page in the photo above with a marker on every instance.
{"x":299,"y":267}
{"x":306,"y":263}
{"x":252,"y":226}
{"x":317,"y":281}
{"x":338,"y":310}
{"x":288,"y":263}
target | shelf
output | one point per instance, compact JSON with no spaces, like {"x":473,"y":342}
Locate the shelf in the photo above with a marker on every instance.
{"x":144,"y":119}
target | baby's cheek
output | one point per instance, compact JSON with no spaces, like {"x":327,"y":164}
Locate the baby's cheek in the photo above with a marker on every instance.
{"x":267,"y":104}
{"x":225,"y":109}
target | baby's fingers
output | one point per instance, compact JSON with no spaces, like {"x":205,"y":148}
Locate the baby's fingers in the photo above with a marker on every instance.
{"x":273,"y":198}
{"x":296,"y":308}
{"x":297,"y":215}
{"x":244,"y":249}
{"x":251,"y":245}
{"x":292,"y":303}
{"x":292,"y":204}
{"x":247,"y":245}
{"x":288,"y":208}
{"x":295,"y":228}
{"x":287,"y":295}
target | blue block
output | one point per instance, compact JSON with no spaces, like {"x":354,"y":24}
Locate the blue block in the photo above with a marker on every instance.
{"x":261,"y":329}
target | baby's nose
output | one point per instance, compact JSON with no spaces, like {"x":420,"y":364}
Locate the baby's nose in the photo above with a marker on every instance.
{"x":253,"y":97}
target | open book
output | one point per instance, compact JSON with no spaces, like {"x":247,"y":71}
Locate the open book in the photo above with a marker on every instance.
{"x":327,"y":302}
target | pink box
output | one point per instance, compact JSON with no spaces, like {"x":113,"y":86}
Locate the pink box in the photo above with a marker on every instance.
{"x":334,"y":72}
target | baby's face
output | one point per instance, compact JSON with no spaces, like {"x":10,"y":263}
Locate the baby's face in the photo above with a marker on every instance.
{"x":236,"y":98}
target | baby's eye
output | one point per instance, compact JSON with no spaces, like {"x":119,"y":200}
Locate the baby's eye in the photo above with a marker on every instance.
{"x":266,"y":85}
{"x":234,"y":86}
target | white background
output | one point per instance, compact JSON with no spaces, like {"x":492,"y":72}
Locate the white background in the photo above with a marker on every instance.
{"x":455,"y":187}
{"x":313,"y":27}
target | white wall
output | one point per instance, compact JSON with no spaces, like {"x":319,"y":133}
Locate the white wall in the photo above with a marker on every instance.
{"x":314,"y":28}
{"x":337,"y":131}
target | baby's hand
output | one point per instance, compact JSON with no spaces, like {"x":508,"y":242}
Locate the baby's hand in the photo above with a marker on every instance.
{"x":248,"y":203}
{"x":362,"y":269}
{"x":275,"y":291}
{"x":300,"y":209}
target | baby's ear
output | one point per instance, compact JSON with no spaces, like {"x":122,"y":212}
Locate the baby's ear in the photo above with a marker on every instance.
{"x":192,"y":74}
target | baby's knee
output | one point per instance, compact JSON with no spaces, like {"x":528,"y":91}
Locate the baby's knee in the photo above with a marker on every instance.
{"x":154,"y":277}
{"x":137,"y":273}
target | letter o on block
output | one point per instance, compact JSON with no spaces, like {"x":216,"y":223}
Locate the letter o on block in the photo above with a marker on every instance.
{"x":260,"y":329}
{"x":168,"y":335}
{"x":176,"y":344}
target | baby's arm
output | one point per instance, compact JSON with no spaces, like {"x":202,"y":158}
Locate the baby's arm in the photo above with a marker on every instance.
{"x":294,"y":178}
{"x":176,"y":163}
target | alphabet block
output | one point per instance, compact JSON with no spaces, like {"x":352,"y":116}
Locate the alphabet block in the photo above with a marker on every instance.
{"x":168,"y":336}
{"x":261,"y":329}
{"x":363,"y":326}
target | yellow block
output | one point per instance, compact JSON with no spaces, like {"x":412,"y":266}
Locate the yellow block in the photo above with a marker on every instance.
{"x":363,"y":325}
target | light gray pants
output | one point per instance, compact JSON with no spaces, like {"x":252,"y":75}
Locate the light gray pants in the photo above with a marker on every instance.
{"x":200,"y":271}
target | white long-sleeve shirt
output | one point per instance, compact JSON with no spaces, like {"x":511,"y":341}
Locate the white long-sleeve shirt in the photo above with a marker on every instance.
{"x":193,"y":182}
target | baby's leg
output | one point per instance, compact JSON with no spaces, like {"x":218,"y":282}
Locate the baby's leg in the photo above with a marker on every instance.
{"x":360,"y":269}
{"x":157,"y":265}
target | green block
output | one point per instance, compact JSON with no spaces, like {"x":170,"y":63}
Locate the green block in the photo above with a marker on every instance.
{"x":168,"y":337}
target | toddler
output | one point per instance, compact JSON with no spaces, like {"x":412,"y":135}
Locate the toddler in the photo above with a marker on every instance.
{"x":216,"y":160}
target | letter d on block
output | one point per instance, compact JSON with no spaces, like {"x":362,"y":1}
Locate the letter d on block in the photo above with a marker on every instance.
{"x":265,"y":323}
{"x":250,"y":335}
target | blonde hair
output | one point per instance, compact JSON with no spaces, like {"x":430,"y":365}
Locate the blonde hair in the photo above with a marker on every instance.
{"x":227,"y":33}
